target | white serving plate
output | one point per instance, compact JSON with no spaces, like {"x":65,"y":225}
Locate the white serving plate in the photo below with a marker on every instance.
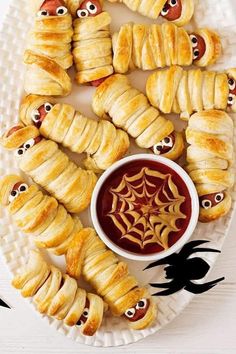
{"x":219,"y":15}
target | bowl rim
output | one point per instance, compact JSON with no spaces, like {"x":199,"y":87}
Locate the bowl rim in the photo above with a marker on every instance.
{"x":183,"y":239}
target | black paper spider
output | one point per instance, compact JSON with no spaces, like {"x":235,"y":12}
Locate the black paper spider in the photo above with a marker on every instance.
{"x":182,"y":270}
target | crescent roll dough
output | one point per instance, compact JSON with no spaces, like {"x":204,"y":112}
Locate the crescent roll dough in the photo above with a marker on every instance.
{"x":48,"y":166}
{"x":103,"y":143}
{"x":179,"y":11}
{"x":149,"y":47}
{"x":210,"y":156}
{"x":179,"y":91}
{"x":58,"y":295}
{"x":91,"y":41}
{"x":110,"y":278}
{"x":130,"y":110}
{"x":36,"y":213}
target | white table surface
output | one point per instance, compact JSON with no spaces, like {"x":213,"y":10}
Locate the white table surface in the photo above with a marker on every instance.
{"x":206,"y":326}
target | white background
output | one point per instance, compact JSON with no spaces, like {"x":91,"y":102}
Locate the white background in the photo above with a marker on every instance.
{"x":207,"y":325}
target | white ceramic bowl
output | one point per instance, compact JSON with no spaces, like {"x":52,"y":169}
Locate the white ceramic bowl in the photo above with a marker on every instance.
{"x":183,"y":239}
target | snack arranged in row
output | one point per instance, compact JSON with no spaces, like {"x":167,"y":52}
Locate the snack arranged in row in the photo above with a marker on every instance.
{"x":78,"y":30}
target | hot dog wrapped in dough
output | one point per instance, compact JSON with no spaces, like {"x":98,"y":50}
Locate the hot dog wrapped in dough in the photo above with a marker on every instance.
{"x":148,"y":47}
{"x":179,"y":12}
{"x":210,"y":156}
{"x":103,"y":143}
{"x":185,"y":92}
{"x":130,"y":110}
{"x":38,"y":214}
{"x":91,"y":41}
{"x":58,"y":295}
{"x":51,"y":168}
{"x":48,"y":53}
{"x":111,"y":279}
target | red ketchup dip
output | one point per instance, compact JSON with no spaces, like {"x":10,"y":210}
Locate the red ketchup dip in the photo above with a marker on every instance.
{"x":144,"y":207}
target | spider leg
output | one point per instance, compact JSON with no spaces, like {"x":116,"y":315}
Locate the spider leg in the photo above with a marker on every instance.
{"x":168,"y":260}
{"x":189,"y":248}
{"x":201,"y":288}
{"x":163,"y":285}
{"x":173,"y":288}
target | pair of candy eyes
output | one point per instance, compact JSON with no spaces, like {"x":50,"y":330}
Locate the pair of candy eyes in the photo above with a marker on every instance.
{"x":21,"y":189}
{"x":194,"y":42}
{"x":165,"y":142}
{"x":36,"y":115}
{"x":207,"y":204}
{"x":90,"y":9}
{"x":232,"y":86}
{"x":140,"y":305}
{"x":171,"y":3}
{"x":80,"y":323}
{"x":60,"y":11}
{"x":30,"y":143}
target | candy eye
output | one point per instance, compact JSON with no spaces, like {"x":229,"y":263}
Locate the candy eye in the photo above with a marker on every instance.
{"x":80,"y":323}
{"x":29,"y":144}
{"x":141,"y":304}
{"x":23,"y":188}
{"x":20,"y":151}
{"x":173,"y":3}
{"x":43,"y":13}
{"x":130,"y":312}
{"x":168,"y":141}
{"x":86,"y":312}
{"x":206,"y":204}
{"x":14,"y":194}
{"x":35,"y":116}
{"x":82,"y":13}
{"x":231,"y":99}
{"x":195,"y":54}
{"x":165,"y":11}
{"x":48,"y":107}
{"x":219,"y":197}
{"x":92,"y":9}
{"x":194,"y":40}
{"x":61,"y":11}
{"x":232,"y":84}
{"x":158,"y":148}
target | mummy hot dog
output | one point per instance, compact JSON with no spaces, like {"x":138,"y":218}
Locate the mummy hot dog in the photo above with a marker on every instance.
{"x":48,"y":166}
{"x":92,"y":41}
{"x":192,"y":91}
{"x":48,"y":53}
{"x":38,"y":214}
{"x":210,"y":157}
{"x":130,"y":110}
{"x":178,"y":11}
{"x":149,"y":47}
{"x":58,"y":295}
{"x":111,"y":279}
{"x":103,"y":143}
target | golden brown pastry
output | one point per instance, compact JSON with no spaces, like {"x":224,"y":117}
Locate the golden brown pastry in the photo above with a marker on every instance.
{"x":48,"y":53}
{"x":179,"y":12}
{"x":149,"y":47}
{"x":58,"y":295}
{"x":52,"y":32}
{"x":110,"y":278}
{"x":210,"y":156}
{"x":48,"y":166}
{"x":130,"y":110}
{"x":179,"y":91}
{"x":91,"y":41}
{"x":103,"y":143}
{"x":38,"y":214}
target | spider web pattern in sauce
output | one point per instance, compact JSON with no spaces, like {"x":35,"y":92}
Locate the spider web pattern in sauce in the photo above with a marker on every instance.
{"x":144,"y":207}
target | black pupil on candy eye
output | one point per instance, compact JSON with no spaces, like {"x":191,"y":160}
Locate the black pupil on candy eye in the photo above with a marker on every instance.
{"x":230,"y":98}
{"x":83,"y":13}
{"x":48,"y":108}
{"x":207,"y":204}
{"x":194,"y":40}
{"x":27,"y":146}
{"x":141,"y":303}
{"x":20,"y":152}
{"x":13,"y":193}
{"x":159,"y":148}
{"x":231,"y":81}
{"x":129,"y":313}
{"x":173,"y":2}
{"x":167,"y":140}
{"x":196,"y":52}
{"x":218,"y":197}
{"x":92,"y":7}
{"x":44,"y":13}
{"x":61,"y":11}
{"x":22,"y":189}
{"x":85,"y":313}
{"x":79,"y":323}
